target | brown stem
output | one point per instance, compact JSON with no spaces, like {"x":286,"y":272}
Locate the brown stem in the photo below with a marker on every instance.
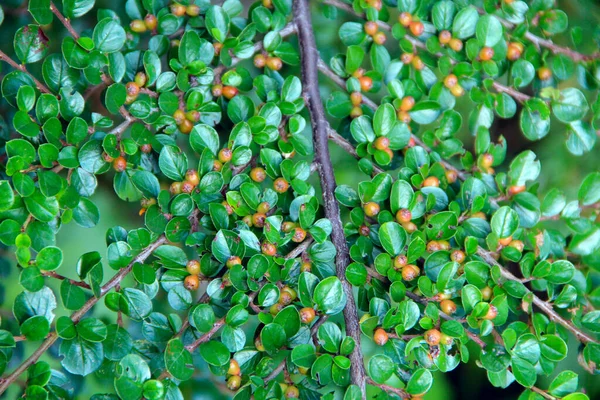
{"x":387,"y":388}
{"x":64,"y":21}
{"x":310,"y":81}
{"x":41,"y":87}
{"x":54,"y":275}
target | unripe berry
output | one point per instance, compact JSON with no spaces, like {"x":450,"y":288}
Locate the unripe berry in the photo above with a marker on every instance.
{"x":280,"y":185}
{"x":448,"y":306}
{"x":445,"y":37}
{"x":263,"y":207}
{"x":267,"y":3}
{"x":366,"y":83}
{"x":376,"y":4}
{"x":258,"y":345}
{"x":405,"y":19}
{"x":516,"y":189}
{"x":193,"y":116}
{"x":120,"y":164}
{"x":232,"y":261}
{"x":307,"y":315}
{"x":358,"y":73}
{"x":407,"y":58}
{"x":487,"y":160}
{"x":217,"y":90}
{"x":234,"y":382}
{"x":138,"y":26}
{"x":380,"y":337}
{"x":191,"y":282}
{"x":274,"y":63}
{"x":371,"y":209}
{"x":225,"y":155}
{"x":260,"y":61}
{"x":356,"y":98}
{"x":410,"y":272}
{"x":417,"y":63}
{"x":407,"y":103}
{"x":364,"y":230}
{"x":431,"y":181}
{"x":514,"y":51}
{"x":151,"y":22}
{"x":291,"y":392}
{"x":410,"y":227}
{"x":217,"y":165}
{"x":268,"y":249}
{"x":258,"y":220}
{"x":416,"y":28}
{"x":192,"y":177}
{"x":193,"y":10}
{"x":432,"y":337}
{"x":175,"y":188}
{"x":381,"y":143}
{"x":400,"y":261}
{"x":234,"y":368}
{"x":186,"y":126}
{"x":403,"y":216}
{"x":257,"y":174}
{"x":444,"y":244}
{"x":486,"y":293}
{"x":305,"y":267}
{"x":505,"y":241}
{"x":179,"y":116}
{"x":517,"y":244}
{"x":379,"y":38}
{"x":486,"y":54}
{"x":492,"y":313}
{"x":371,"y":28}
{"x":451,"y":176}
{"x":455,"y":44}
{"x":446,"y":340}
{"x":247,"y":220}
{"x":299,"y":235}
{"x":132,"y":89}
{"x":178,"y":9}
{"x":450,"y":81}
{"x":229,"y":92}
{"x":288,"y":226}
{"x":457,"y":91}
{"x":458,"y":256}
{"x":544,"y":73}
{"x":291,"y":292}
{"x":356,"y":112}
{"x":193,"y":267}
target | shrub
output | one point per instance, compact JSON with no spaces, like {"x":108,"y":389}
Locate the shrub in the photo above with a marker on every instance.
{"x":249,"y":260}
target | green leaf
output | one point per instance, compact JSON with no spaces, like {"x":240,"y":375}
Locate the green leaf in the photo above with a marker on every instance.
{"x":465,"y":23}
{"x":329,"y":295}
{"x":80,"y":356}
{"x":589,"y":191}
{"x":392,"y":237}
{"x":35,"y":328}
{"x":381,"y":368}
{"x":420,"y":382}
{"x":505,"y":222}
{"x":215,"y":353}
{"x":178,"y":360}
{"x":571,"y":106}
{"x":109,"y":36}
{"x":489,"y":31}
{"x":31,"y":44}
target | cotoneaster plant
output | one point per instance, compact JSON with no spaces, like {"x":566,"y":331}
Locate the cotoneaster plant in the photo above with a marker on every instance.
{"x":249,"y":261}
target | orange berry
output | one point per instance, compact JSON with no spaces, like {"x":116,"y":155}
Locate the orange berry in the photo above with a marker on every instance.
{"x":406,"y":58}
{"x":259,"y":219}
{"x":405,"y":19}
{"x":234,"y":382}
{"x":514,"y":51}
{"x":371,"y":209}
{"x":146,"y":148}
{"x":400,"y":261}
{"x":263,"y":207}
{"x":274,"y":63}
{"x":407,"y":103}
{"x":138,"y":26}
{"x":431,"y":181}
{"x":433,"y":246}
{"x":179,"y":117}
{"x":416,"y":28}
{"x":305,"y":267}
{"x":450,"y":81}
{"x":356,"y":98}
{"x":516,"y":189}
{"x":356,"y":112}
{"x":175,"y":188}
{"x":218,"y":46}
{"x":403,"y":216}
{"x":486,"y":54}
{"x":191,"y":282}
{"x":448,"y":306}
{"x":193,"y":116}
{"x":517,"y":244}
{"x":458,"y":256}
{"x":307,"y":315}
{"x":193,"y":267}
{"x":492,"y":313}
{"x":193,"y":10}
{"x":505,"y":241}
{"x":432,"y":337}
{"x":120,"y":164}
{"x":132,"y":89}
{"x":487,"y":160}
{"x":364,"y":230}
{"x":457,"y":91}
{"x":187,"y":187}
{"x":486,"y":293}
{"x":217,"y":90}
{"x":268,"y":249}
{"x":379,"y":38}
{"x":299,"y":235}
{"x":445,"y":37}
{"x":291,"y":392}
{"x":371,"y":28}
{"x":366,"y":83}
{"x":451,"y":176}
{"x":410,"y":272}
{"x":225,"y":155}
{"x":455,"y":44}
{"x":186,"y":126}
{"x":287,"y":226}
{"x":150,"y":21}
{"x":267,"y":3}
{"x":260,"y":61}
{"x":178,"y":9}
{"x":544,"y":73}
{"x":192,"y":177}
{"x":417,"y":63}
{"x":234,"y":368}
{"x":280,"y":185}
{"x":381,"y":143}
{"x":232,"y":261}
{"x":380,"y":337}
{"x":403,"y":116}
{"x":229,"y":92}
{"x":258,"y":174}
{"x":217,"y":165}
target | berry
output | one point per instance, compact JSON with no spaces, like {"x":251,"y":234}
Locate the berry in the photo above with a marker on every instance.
{"x":356,"y":98}
{"x":376,"y":4}
{"x":431,"y":181}
{"x":232,"y":261}
{"x":234,"y":382}
{"x":260,"y":61}
{"x":450,"y":81}
{"x":247,"y":220}
{"x":364,"y":230}
{"x":267,"y":3}
{"x":193,"y":116}
{"x":175,"y":188}
{"x":492,"y":313}
{"x":455,"y":44}
{"x":451,"y":176}
{"x":307,"y":315}
{"x":379,"y":38}
{"x":287,"y":226}
{"x":179,"y":117}
{"x":191,"y":282}
{"x":366,"y":83}
{"x":228,"y":208}
{"x":505,"y":241}
{"x":444,"y":244}
{"x":217,"y":165}
{"x":405,"y":19}
{"x":291,"y":392}
{"x":517,"y":244}
{"x":257,"y":174}
{"x":486,"y":54}
{"x":432,"y":337}
{"x":358,"y":73}
{"x":107,"y":158}
{"x":285,"y":299}
{"x":217,"y":90}
{"x":380,"y":337}
{"x":225,"y":155}
{"x":192,"y":177}
{"x":544,"y":73}
{"x":178,"y":9}
{"x":186,"y":126}
{"x":416,"y":28}
{"x":193,"y":267}
{"x":229,"y":92}
{"x":356,"y":112}
{"x":371,"y":209}
{"x":486,"y":293}
{"x":403,"y":216}
{"x":406,"y":58}
{"x":193,"y":10}
{"x":446,"y":340}
{"x":514,"y":51}
{"x":457,"y":256}
{"x":299,"y":235}
{"x":275,"y":308}
{"x":268,"y":249}
{"x":305,"y":267}
{"x":258,"y":345}
{"x":407,"y":103}
{"x":389,"y":152}
{"x":400,"y":261}
{"x":448,"y":306}
{"x":487,"y":160}
{"x":234,"y":367}
{"x":516,"y":189}
{"x":146,"y":148}
{"x":371,"y":28}
{"x":417,"y":63}
{"x":187,"y":187}
{"x":280,"y":185}
{"x":274,"y":63}
{"x":381,"y":143}
{"x":120,"y":164}
{"x":263,"y":207}
{"x":151,"y":21}
{"x":138,"y":26}
{"x":132,"y":89}
{"x":410,"y":272}
{"x":403,"y":116}
{"x":258,"y":220}
{"x":457,"y":91}
{"x":410,"y":227}
{"x":445,"y":37}
{"x":433,"y":246}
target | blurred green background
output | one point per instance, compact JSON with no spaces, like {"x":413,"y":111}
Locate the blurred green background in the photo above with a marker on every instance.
{"x":559,"y":169}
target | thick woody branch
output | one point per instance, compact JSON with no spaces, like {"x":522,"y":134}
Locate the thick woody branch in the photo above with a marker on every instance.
{"x":310,"y":82}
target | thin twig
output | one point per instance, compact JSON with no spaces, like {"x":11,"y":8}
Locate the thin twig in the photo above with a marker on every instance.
{"x":387,"y":388}
{"x":64,"y":21}
{"x":310,"y":82}
{"x":54,"y":275}
{"x":41,"y":87}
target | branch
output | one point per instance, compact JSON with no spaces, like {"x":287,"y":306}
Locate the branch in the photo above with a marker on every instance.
{"x":41,"y":87}
{"x":76,"y":316}
{"x":541,"y":304}
{"x":54,"y":275}
{"x":64,"y":21}
{"x":387,"y":388}
{"x":310,"y":82}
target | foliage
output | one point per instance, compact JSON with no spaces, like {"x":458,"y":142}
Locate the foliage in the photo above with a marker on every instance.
{"x":240,"y":263}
